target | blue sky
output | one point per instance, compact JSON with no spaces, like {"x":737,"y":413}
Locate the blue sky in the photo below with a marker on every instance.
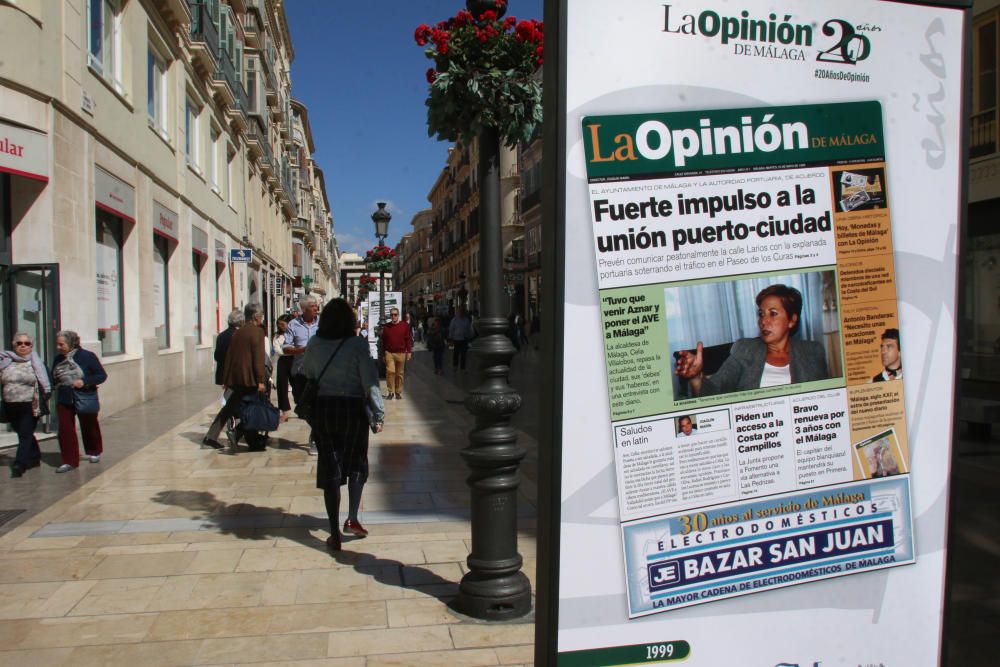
{"x":361,"y":76}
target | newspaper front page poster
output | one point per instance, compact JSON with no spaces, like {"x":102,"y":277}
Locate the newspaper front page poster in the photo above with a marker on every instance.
{"x":749,"y":313}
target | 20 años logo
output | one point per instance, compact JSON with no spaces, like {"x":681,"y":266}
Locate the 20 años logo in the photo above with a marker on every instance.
{"x":850,"y":47}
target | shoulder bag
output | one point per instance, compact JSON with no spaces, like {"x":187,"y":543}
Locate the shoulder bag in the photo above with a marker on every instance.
{"x":306,"y":405}
{"x":85,"y":401}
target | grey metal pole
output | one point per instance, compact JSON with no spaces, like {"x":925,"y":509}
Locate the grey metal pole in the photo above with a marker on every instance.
{"x":494,"y":588}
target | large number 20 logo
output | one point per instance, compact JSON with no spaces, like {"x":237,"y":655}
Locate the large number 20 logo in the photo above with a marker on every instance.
{"x":850,"y":48}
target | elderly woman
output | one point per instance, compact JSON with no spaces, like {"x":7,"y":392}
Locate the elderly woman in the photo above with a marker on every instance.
{"x":76,"y":369}
{"x":774,"y":358}
{"x":348,"y":404}
{"x":25,"y":395}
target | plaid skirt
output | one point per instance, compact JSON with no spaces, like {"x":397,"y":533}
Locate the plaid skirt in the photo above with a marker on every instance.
{"x":341,"y":429}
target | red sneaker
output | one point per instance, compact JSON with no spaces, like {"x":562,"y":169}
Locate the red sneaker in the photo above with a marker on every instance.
{"x":355,"y":528}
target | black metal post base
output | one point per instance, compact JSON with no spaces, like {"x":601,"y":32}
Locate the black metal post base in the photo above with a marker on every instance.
{"x":500,"y":598}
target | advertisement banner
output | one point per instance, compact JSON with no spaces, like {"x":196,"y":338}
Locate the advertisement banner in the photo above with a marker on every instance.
{"x":771,"y":199}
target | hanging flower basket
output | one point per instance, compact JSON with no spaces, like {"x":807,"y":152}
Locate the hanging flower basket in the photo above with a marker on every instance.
{"x":483,"y":75}
{"x":379,"y":259}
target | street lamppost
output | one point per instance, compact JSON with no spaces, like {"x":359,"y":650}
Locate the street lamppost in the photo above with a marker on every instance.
{"x":381,"y":218}
{"x":494,"y":588}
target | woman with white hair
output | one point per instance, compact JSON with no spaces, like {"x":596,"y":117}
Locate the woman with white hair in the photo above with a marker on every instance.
{"x":77,"y":373}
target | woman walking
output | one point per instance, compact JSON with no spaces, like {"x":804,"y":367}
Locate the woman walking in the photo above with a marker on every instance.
{"x":25,"y":393}
{"x":348,"y":404}
{"x":77,"y":371}
{"x":436,"y":344}
{"x":283,"y":365}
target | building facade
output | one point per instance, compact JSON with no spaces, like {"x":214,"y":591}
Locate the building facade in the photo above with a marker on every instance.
{"x":143,"y":185}
{"x":979,"y":349}
{"x":449,"y":257}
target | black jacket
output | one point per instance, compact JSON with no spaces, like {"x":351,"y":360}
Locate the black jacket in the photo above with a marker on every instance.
{"x":221,"y":347}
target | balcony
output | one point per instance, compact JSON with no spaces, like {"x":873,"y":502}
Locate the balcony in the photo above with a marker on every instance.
{"x":224,"y":81}
{"x":530,"y":200}
{"x":983,"y":134}
{"x":302,"y":229}
{"x":204,"y":38}
{"x":258,"y":144}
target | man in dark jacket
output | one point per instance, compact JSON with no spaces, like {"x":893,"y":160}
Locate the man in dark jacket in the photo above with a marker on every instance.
{"x":234,"y":321}
{"x":242,"y":374}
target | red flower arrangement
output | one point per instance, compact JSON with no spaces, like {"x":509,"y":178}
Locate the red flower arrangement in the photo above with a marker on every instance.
{"x":379,"y":252}
{"x":483,"y":75}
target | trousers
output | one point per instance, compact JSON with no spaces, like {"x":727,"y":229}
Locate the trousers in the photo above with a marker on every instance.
{"x":395,"y":364}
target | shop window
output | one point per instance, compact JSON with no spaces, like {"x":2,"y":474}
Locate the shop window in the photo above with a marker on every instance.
{"x":104,"y":33}
{"x":110,"y":294}
{"x":156,"y":92}
{"x":161,"y":291}
{"x":197,"y":262}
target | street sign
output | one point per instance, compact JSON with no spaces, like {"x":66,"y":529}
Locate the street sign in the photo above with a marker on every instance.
{"x":244,"y":255}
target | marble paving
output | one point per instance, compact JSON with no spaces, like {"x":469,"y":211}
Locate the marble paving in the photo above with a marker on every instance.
{"x":178,"y":555}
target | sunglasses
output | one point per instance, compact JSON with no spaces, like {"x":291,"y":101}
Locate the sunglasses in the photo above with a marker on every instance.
{"x":23,"y":342}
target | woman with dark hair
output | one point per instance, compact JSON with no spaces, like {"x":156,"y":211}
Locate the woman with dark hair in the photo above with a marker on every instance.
{"x":76,"y":369}
{"x":773,"y":358}
{"x":25,"y":393}
{"x":284,"y":364}
{"x":348,"y":404}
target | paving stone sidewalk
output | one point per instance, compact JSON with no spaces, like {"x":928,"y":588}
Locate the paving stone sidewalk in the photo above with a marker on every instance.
{"x":178,"y":555}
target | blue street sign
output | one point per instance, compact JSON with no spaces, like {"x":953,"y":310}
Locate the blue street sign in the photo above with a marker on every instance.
{"x":241,"y":255}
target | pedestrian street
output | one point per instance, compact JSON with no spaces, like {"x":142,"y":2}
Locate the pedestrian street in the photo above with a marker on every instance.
{"x":179,"y":555}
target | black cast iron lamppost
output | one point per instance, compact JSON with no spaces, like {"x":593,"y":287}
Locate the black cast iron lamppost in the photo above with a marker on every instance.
{"x":381,"y":218}
{"x":494,"y":587}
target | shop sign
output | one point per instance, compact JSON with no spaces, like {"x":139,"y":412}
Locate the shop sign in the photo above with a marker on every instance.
{"x":24,"y":153}
{"x":165,"y":221}
{"x":199,"y":241}
{"x":114,"y":195}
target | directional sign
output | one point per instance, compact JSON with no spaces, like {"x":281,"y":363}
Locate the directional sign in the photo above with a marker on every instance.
{"x":244,"y":255}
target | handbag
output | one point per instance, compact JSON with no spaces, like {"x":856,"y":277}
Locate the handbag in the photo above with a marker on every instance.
{"x":257,"y":413}
{"x":85,"y":401}
{"x":306,"y":404}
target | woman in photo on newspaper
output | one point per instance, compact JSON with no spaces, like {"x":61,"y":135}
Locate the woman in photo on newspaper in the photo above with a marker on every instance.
{"x":773,"y":358}
{"x":348,"y":404}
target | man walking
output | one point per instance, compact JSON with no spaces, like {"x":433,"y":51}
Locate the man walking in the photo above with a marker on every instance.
{"x":242,"y":374}
{"x":397,"y":343}
{"x":300,"y":330}
{"x":460,"y":333}
{"x":234,"y":321}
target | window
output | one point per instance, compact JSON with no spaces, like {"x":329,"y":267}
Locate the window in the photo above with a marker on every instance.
{"x":197,"y":261}
{"x":191,"y":152}
{"x":161,"y":291}
{"x":983,"y":130}
{"x":105,"y":39}
{"x":213,"y":158}
{"x":110,"y":295}
{"x":227,"y":185}
{"x":251,"y":83}
{"x":156,"y":91}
